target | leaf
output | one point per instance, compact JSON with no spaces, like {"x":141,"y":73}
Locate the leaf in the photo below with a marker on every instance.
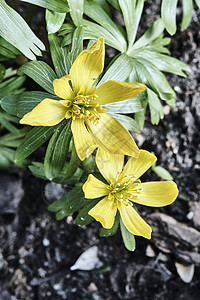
{"x":198,"y":3}
{"x":128,"y":238}
{"x":150,"y":35}
{"x":69,"y":203}
{"x":77,"y":46}
{"x":15,"y":30}
{"x":13,"y":139}
{"x":23,"y":103}
{"x":105,"y":6}
{"x":56,"y":153}
{"x":83,"y":218}
{"x":54,"y":5}
{"x":119,"y":69}
{"x":41,"y":73}
{"x":145,"y":72}
{"x":162,"y":172}
{"x":58,"y":54}
{"x":127,"y":122}
{"x":132,"y":11}
{"x":115,"y":4}
{"x":164,"y":63}
{"x":11,"y":85}
{"x":128,"y":106}
{"x":155,"y":106}
{"x":187,"y":13}
{"x":70,"y":168}
{"x":94,"y":31}
{"x":76,"y":11}
{"x":54,"y":20}
{"x":95,"y":12}
{"x":6,"y":156}
{"x":33,"y":140}
{"x":112,"y":231}
{"x":168,"y":14}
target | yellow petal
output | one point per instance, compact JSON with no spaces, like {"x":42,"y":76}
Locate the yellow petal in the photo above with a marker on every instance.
{"x":139,"y":166}
{"x":112,"y":136}
{"x":62,"y":88}
{"x":104,"y":212}
{"x":109,"y":164}
{"x":113,"y":91}
{"x":84,"y":143}
{"x":157,"y":194}
{"x":88,"y":66}
{"x":133,"y":222}
{"x":47,"y":113}
{"x":94,"y":188}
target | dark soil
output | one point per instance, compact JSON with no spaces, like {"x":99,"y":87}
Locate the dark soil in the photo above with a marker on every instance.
{"x":37,"y":251}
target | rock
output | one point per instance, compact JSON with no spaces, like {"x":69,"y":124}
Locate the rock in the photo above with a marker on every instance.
{"x":88,"y":260}
{"x":195,"y":209}
{"x":185,"y":272}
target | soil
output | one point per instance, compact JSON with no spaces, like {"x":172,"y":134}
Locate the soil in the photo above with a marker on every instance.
{"x":37,"y":251}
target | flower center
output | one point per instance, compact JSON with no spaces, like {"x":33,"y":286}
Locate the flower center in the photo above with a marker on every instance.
{"x":124,"y":189}
{"x":84,"y":107}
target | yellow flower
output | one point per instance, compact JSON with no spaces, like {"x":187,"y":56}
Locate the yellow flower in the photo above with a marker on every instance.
{"x":124,"y":188}
{"x":81,"y":101}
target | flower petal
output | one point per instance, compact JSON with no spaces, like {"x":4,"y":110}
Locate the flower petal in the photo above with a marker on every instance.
{"x":84,"y":142}
{"x":109,"y":164}
{"x":94,"y":188}
{"x":133,"y":222}
{"x":104,"y":212}
{"x":113,"y":91}
{"x":139,"y":166}
{"x":110,"y":135}
{"x":88,"y":66}
{"x":62,"y":88}
{"x":47,"y":113}
{"x":157,"y":194}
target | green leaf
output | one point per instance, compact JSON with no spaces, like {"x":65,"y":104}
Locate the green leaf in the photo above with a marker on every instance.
{"x":164,"y":62}
{"x":105,"y":6}
{"x":125,"y":107}
{"x":115,"y":4}
{"x":55,"y":5}
{"x":160,"y":171}
{"x":6,"y":157}
{"x":94,"y":31}
{"x":198,"y":3}
{"x":41,"y":73}
{"x":149,"y":36}
{"x":11,"y":85}
{"x":23,"y":103}
{"x":70,"y":168}
{"x":187,"y":13}
{"x":58,"y":54}
{"x":83,"y":218}
{"x":2,"y":72}
{"x":155,"y":106}
{"x":33,"y":140}
{"x":96,"y":12}
{"x":112,"y":231}
{"x":119,"y":69}
{"x":76,"y":11}
{"x":127,"y":122}
{"x":15,"y":30}
{"x":56,"y":153}
{"x":54,"y":20}
{"x":13,"y":139}
{"x":66,"y":28}
{"x":7,"y":49}
{"x":128,"y":238}
{"x":132,"y":11}
{"x":145,"y":72}
{"x":77,"y":46}
{"x":168,"y":14}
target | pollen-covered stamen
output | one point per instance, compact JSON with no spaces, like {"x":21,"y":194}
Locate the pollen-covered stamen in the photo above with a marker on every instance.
{"x":124,"y":189}
{"x":84,"y":107}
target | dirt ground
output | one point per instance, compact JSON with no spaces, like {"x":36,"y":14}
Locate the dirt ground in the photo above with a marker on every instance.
{"x":37,"y":251}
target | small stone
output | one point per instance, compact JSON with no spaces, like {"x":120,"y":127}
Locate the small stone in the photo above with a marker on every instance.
{"x":150,"y":252}
{"x":88,"y":260}
{"x":92,"y":287}
{"x":185,"y":272}
{"x":46,"y":242}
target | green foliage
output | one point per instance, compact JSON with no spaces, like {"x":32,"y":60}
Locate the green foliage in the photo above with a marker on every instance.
{"x":59,"y":6}
{"x":15,"y":30}
{"x":128,"y":238}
